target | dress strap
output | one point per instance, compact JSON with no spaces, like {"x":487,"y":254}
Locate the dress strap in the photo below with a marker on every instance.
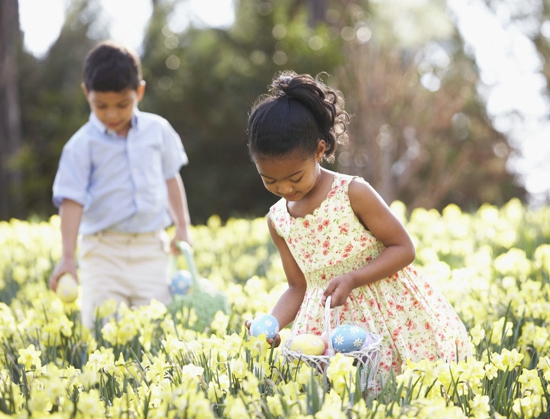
{"x":341,"y":183}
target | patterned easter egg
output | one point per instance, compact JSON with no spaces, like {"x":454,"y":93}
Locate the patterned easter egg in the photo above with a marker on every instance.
{"x":67,"y":288}
{"x":307,"y":344}
{"x":181,"y":283}
{"x":348,"y":338}
{"x":265,"y":324}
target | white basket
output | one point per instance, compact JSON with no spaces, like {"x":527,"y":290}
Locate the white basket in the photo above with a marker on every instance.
{"x":367,"y":359}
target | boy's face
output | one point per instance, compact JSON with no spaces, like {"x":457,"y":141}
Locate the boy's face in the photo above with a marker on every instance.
{"x":115,"y":109}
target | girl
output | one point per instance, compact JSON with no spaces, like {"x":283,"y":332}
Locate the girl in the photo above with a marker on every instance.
{"x":337,"y":237}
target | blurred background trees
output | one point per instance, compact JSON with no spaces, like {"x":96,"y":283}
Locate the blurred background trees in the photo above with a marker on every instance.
{"x":419,"y":131}
{"x":10,"y":118}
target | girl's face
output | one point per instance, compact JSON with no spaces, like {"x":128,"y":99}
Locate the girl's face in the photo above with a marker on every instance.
{"x":293,"y":176}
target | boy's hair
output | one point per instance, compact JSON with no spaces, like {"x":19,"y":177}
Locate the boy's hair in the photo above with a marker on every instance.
{"x":299,"y":112}
{"x":110,"y":67}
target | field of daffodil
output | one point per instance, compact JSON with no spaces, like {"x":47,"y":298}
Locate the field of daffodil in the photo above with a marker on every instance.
{"x":152,"y":362}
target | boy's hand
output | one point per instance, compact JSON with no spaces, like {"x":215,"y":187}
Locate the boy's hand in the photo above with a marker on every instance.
{"x":274,"y":342}
{"x":65,"y":265}
{"x":181,"y":234}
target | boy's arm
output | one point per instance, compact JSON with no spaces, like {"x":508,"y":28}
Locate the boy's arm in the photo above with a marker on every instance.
{"x":177,"y":204}
{"x":71,"y":214}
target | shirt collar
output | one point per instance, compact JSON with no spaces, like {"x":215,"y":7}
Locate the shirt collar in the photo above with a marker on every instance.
{"x":103,"y":129}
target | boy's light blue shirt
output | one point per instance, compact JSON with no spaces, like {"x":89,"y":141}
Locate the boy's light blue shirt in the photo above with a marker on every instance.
{"x":120,"y":182}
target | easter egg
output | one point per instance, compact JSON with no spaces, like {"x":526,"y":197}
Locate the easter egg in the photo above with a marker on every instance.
{"x":265,"y":324}
{"x":67,"y":288}
{"x":181,"y":283}
{"x":324,"y":338}
{"x":370,"y":338}
{"x":307,"y":344}
{"x":348,"y":338}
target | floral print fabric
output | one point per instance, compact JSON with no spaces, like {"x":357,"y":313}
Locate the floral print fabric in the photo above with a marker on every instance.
{"x":414,"y":319}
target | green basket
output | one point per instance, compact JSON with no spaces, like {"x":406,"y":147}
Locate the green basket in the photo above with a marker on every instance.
{"x":203,"y":297}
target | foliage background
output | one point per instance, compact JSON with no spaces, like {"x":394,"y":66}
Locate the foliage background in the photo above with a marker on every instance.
{"x":419,"y":133}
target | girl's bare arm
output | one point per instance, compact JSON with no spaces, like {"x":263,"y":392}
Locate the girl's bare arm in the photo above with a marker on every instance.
{"x":287,"y":306}
{"x":376,"y":216}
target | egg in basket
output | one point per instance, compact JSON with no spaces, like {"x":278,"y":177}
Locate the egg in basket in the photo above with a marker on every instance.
{"x":349,"y":339}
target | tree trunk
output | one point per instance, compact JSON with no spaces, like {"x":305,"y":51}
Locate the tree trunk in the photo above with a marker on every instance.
{"x":10,"y":117}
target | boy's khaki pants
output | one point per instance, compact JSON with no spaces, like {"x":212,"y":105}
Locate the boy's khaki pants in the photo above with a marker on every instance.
{"x":125,"y":267}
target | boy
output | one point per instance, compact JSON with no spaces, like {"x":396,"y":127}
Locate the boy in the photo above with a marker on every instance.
{"x":117,"y":184}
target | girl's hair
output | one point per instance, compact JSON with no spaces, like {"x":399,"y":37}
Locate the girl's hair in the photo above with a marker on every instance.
{"x":111,"y":67}
{"x":298,"y":112}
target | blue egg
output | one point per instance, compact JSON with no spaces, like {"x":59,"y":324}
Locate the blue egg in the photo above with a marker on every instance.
{"x":266,"y":324}
{"x":348,"y":338}
{"x":181,"y":283}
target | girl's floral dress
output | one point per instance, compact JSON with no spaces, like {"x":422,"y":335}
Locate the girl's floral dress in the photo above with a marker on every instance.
{"x":413,"y":318}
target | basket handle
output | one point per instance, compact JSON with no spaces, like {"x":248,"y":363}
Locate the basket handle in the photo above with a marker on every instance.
{"x":328,"y":330}
{"x":327,"y":324}
{"x":187,"y":252}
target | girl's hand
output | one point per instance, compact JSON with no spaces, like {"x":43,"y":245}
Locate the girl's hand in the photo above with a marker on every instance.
{"x":274,"y":342}
{"x":339,"y":288}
